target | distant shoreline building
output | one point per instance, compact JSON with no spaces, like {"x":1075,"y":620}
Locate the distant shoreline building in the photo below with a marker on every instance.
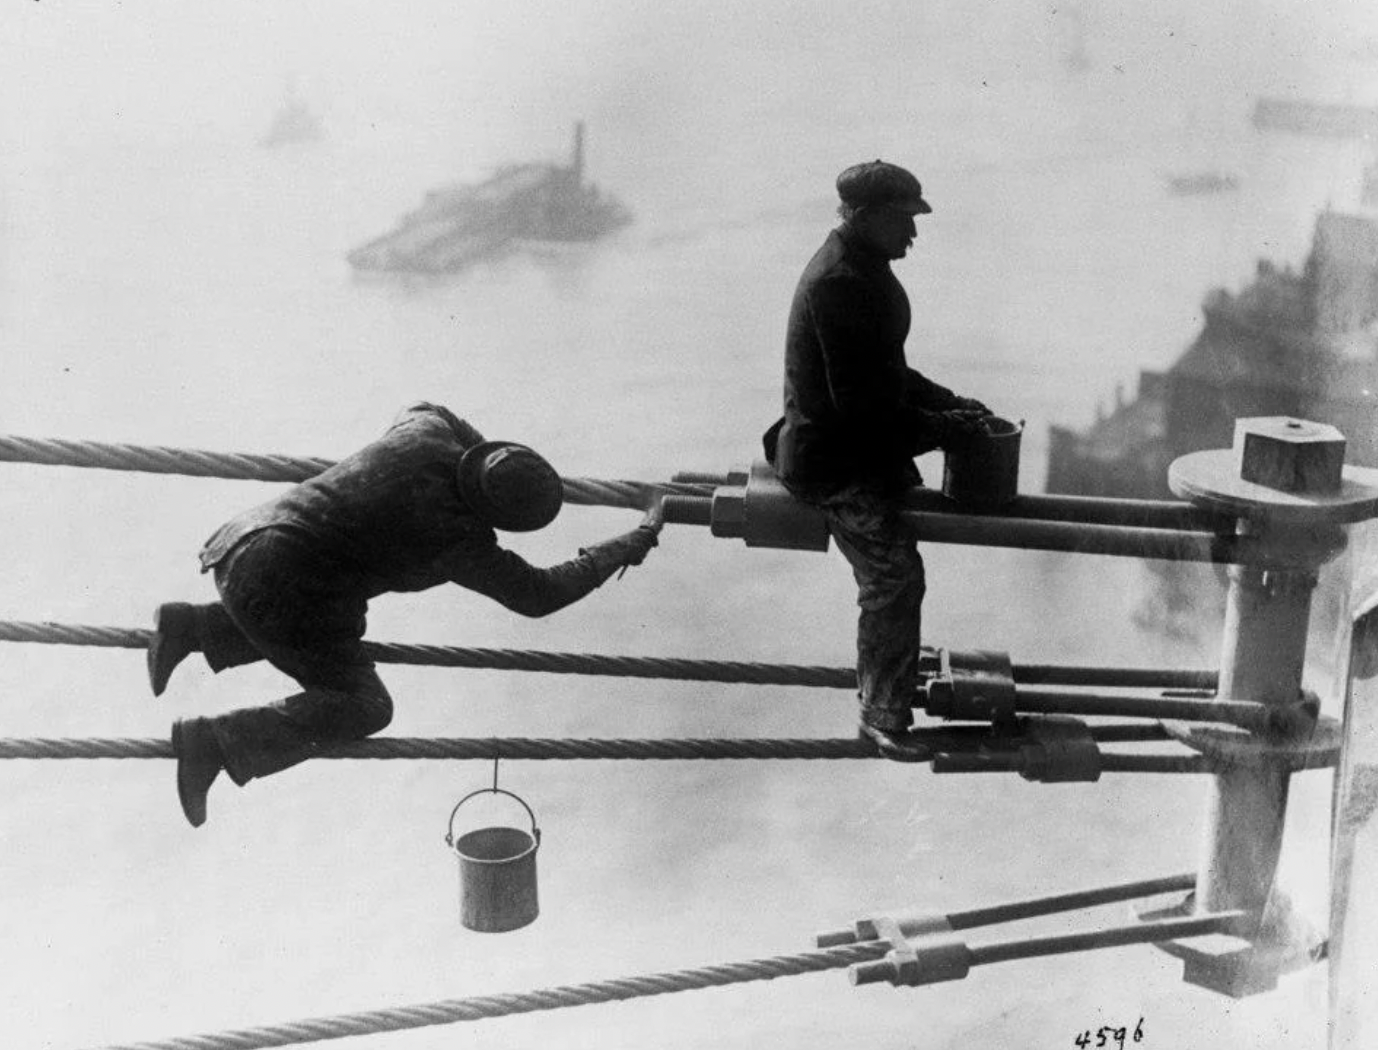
{"x":1300,"y":344}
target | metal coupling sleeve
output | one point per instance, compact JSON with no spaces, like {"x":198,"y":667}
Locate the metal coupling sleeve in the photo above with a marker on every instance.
{"x":930,"y":961}
{"x":764,"y":514}
{"x":1061,"y":750}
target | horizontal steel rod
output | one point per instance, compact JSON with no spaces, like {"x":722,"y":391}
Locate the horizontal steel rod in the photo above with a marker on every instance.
{"x":946,"y":523}
{"x":1129,"y":733}
{"x":875,"y":972}
{"x":1088,"y":510}
{"x":688,"y":510}
{"x":1033,"y":907}
{"x":1074,"y":901}
{"x":1127,"y":763}
{"x":1111,"y":937}
{"x":1074,"y":538}
{"x":1069,"y":536}
{"x":1112,"y":677}
{"x":1246,"y":714}
{"x":1012,"y":761}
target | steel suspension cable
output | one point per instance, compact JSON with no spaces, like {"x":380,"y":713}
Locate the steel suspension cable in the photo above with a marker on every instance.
{"x":493,"y":659}
{"x":864,"y":955}
{"x":450,"y":1011}
{"x":485,"y":748}
{"x":59,"y":452}
{"x":48,"y":633}
{"x":384,"y":748}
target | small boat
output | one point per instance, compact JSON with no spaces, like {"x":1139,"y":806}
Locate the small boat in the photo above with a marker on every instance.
{"x":1200,"y":182}
{"x":294,"y":123}
{"x":1338,"y":120}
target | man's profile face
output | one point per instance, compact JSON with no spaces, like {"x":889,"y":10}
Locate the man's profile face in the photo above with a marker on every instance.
{"x":888,"y":229}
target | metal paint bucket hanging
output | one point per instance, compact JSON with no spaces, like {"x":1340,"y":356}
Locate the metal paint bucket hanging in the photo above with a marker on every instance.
{"x":497,"y":870}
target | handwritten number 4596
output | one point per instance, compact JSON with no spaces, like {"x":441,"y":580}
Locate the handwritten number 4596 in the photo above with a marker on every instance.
{"x":1107,"y":1035}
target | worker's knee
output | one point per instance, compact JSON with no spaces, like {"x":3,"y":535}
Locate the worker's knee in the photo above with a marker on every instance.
{"x":341,"y":713}
{"x":374,"y":713}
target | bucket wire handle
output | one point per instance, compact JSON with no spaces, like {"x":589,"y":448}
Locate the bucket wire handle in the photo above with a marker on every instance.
{"x":495,"y":790}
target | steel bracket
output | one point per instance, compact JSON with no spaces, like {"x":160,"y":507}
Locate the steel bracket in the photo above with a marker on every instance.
{"x":973,"y":686}
{"x":1243,"y":964}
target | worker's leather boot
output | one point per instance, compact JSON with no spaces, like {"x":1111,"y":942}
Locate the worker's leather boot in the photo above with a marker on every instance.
{"x":174,"y":639}
{"x":199,"y":762}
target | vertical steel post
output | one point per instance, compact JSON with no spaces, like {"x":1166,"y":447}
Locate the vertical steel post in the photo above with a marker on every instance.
{"x":1286,"y":484}
{"x":1262,"y":657}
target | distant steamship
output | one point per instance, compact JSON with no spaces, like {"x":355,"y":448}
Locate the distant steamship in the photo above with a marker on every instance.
{"x":461,"y":224}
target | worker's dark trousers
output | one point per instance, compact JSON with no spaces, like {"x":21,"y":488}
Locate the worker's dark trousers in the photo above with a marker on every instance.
{"x":865,"y":521}
{"x":280,"y":602}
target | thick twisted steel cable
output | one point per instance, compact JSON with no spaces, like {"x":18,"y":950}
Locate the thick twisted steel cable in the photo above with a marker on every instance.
{"x":493,"y":659}
{"x":48,"y":633}
{"x":450,"y":1011}
{"x":535,"y":748}
{"x":486,"y":748}
{"x":157,"y":459}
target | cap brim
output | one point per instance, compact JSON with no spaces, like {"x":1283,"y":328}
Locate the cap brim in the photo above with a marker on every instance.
{"x":917,"y":206}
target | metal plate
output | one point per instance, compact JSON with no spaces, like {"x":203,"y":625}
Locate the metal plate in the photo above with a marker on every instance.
{"x":1211,"y":479}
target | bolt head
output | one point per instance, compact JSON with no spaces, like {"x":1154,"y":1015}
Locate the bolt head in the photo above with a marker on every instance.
{"x":1291,"y":455}
{"x":729,"y":513}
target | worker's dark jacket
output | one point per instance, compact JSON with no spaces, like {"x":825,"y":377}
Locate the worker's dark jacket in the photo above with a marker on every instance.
{"x":854,"y":410}
{"x":390,"y":518}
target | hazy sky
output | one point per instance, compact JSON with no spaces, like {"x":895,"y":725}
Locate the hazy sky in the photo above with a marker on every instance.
{"x":95,"y":65}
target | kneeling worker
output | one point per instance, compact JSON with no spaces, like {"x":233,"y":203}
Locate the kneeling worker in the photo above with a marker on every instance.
{"x":414,"y":509}
{"x":855,"y":416}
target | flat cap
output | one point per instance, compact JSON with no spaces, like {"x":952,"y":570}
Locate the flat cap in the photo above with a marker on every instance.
{"x":877,"y":182}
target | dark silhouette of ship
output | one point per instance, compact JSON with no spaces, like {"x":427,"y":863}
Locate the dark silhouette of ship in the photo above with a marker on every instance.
{"x":1201,"y":182}
{"x":1338,"y":120}
{"x":1291,"y":343}
{"x":463,"y":223}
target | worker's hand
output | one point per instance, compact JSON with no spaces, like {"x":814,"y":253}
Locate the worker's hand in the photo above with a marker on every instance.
{"x":655,"y":514}
{"x":970,"y":404}
{"x":630,"y":548}
{"x":962,"y":424}
{"x":636,"y":544}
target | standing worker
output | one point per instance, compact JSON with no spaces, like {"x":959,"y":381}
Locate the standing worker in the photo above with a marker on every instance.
{"x":414,"y":509}
{"x":855,"y":417}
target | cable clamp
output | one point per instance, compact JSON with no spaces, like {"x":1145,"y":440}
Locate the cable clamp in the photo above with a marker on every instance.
{"x":975,"y":685}
{"x":931,"y":960}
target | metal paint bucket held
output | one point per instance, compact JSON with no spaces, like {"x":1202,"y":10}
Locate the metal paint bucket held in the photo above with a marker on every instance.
{"x":497,"y":872}
{"x":983,"y":471}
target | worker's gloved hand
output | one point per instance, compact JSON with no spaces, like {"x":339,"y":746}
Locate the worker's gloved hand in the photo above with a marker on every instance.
{"x":655,"y":515}
{"x":958,"y":425}
{"x":639,"y":543}
{"x":970,"y":404}
{"x":630,"y":548}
